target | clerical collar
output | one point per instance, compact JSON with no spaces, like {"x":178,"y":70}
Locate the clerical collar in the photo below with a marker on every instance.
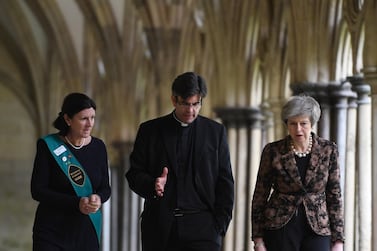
{"x":180,"y":122}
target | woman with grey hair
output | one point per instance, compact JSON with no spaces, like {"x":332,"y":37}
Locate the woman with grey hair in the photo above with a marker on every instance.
{"x":297,"y":201}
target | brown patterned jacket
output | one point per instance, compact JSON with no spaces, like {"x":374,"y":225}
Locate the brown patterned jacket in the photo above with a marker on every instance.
{"x":279,"y":189}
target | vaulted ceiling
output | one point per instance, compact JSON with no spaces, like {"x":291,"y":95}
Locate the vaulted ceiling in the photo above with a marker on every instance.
{"x":125,"y":53}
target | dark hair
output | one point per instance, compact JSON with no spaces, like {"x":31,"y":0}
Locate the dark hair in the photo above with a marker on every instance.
{"x":189,"y":84}
{"x":73,"y":103}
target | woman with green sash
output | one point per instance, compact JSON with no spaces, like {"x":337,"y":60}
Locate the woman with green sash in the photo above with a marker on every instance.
{"x":70,"y":180}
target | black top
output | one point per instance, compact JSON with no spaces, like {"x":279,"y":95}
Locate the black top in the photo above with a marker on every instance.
{"x":187,"y":195}
{"x":302,"y":165}
{"x":58,"y":219}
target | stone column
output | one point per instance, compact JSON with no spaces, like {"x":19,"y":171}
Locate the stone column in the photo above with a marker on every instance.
{"x":274,"y":127}
{"x":349,"y":192}
{"x":244,"y":127}
{"x":363,"y":164}
{"x":340,"y":94}
{"x":126,"y":205}
{"x":370,"y":75}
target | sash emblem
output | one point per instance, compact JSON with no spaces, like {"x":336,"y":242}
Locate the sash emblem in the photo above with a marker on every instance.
{"x":76,"y":175}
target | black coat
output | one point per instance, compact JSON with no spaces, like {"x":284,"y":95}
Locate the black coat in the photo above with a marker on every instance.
{"x":155,"y":148}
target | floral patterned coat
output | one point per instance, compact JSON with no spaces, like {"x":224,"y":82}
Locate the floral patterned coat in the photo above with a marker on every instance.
{"x":279,"y":189}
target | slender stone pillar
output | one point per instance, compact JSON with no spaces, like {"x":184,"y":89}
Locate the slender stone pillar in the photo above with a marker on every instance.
{"x":340,"y":95}
{"x":370,"y":74}
{"x":126,"y":205}
{"x":274,"y":127}
{"x":244,"y":127}
{"x":364,"y":164}
{"x":349,"y":193}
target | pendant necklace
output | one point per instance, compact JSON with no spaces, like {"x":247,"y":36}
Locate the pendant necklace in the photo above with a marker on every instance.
{"x":75,"y":147}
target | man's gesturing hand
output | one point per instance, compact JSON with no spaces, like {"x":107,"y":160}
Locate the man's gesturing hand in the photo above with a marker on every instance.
{"x":160,"y":182}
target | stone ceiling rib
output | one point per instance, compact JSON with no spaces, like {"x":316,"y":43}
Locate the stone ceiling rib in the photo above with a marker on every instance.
{"x":23,"y":46}
{"x":50,"y":17}
{"x":102,"y":24}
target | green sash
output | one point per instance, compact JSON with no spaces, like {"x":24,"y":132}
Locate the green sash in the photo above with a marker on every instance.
{"x":75,"y":173}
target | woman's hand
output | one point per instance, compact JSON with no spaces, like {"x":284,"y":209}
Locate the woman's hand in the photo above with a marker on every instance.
{"x":94,"y":202}
{"x":90,"y":204}
{"x":337,"y":246}
{"x":259,"y":244}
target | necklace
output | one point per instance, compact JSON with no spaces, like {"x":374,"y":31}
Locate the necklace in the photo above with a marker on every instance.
{"x":302,"y":154}
{"x":75,"y":147}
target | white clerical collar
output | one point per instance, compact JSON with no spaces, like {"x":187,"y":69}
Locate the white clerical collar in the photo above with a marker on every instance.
{"x":180,"y":122}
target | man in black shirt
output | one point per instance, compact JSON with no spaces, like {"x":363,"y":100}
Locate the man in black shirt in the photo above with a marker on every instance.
{"x":181,"y":166}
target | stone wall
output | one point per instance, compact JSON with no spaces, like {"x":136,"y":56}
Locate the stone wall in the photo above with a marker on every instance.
{"x":17,"y":149}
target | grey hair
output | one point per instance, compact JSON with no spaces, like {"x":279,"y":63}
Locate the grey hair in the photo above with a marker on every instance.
{"x":301,"y":105}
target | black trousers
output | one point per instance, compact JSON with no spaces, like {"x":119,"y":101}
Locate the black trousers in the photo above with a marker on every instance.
{"x":45,"y":246}
{"x":188,"y":234}
{"x":297,"y":235}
